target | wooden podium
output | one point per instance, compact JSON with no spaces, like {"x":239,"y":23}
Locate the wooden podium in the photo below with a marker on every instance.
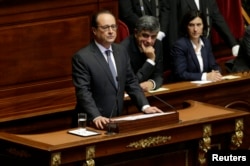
{"x":178,"y":143}
{"x":141,"y":121}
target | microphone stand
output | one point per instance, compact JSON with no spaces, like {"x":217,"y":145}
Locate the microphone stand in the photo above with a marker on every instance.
{"x":162,"y":101}
{"x":112,"y":127}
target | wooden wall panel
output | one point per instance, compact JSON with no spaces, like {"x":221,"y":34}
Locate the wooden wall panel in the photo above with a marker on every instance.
{"x":41,"y":50}
{"x":39,"y":45}
{"x":37,"y":41}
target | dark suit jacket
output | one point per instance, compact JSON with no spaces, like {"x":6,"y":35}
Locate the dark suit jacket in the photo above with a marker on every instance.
{"x":180,"y":7}
{"x":95,"y":89}
{"x":130,"y":11}
{"x":242,"y":61}
{"x":186,"y":65}
{"x":143,"y":69}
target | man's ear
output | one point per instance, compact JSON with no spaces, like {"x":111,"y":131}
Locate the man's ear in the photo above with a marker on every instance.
{"x":94,"y":30}
{"x":135,"y":31}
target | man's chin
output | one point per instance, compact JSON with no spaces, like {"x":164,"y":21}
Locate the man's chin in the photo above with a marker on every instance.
{"x":111,"y":40}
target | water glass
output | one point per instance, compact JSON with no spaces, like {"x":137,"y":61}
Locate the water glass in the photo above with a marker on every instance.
{"x":82,"y":121}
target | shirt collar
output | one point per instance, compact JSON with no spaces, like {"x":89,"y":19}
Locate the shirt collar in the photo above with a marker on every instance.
{"x":103,"y":49}
{"x":200,"y":42}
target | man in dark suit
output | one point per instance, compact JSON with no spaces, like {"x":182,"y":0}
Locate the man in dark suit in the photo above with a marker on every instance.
{"x":242,"y":61}
{"x":131,"y":10}
{"x":214,"y":18}
{"x":145,"y":52}
{"x":99,"y":89}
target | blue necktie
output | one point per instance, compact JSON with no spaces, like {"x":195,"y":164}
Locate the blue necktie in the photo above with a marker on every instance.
{"x":111,"y":67}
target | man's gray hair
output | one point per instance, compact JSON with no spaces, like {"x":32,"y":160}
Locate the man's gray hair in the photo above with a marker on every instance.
{"x":147,"y":23}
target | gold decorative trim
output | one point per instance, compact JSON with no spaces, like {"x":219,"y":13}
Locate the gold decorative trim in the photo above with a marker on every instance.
{"x":186,"y":157}
{"x":205,"y":143}
{"x":56,"y":159}
{"x":149,"y":142}
{"x":90,"y":154}
{"x":237,"y":137}
{"x":18,"y":152}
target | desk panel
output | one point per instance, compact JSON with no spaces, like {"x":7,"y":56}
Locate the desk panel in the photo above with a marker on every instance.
{"x":218,"y":93}
{"x":180,"y":138}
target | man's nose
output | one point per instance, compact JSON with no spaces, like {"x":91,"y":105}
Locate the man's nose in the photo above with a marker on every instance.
{"x":149,"y":39}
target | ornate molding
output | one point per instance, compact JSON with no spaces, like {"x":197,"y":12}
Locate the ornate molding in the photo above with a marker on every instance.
{"x":237,"y":137}
{"x":90,"y":154}
{"x":56,"y":159}
{"x":149,"y":142}
{"x":17,"y":152}
{"x":205,"y":143}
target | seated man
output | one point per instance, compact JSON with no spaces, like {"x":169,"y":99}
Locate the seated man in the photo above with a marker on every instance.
{"x":242,"y":61}
{"x":145,"y":52}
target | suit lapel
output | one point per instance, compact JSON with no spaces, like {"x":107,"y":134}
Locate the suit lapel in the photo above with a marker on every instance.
{"x":148,"y":6}
{"x":203,"y":6}
{"x":204,"y":55}
{"x":102,"y":61}
{"x":193,"y":55}
{"x":118,"y":62}
{"x":191,"y":4}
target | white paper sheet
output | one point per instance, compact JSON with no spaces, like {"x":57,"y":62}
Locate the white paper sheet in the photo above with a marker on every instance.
{"x":158,"y":90}
{"x":153,"y":91}
{"x":143,"y":116}
{"x":83,"y":133}
{"x":201,"y":82}
{"x":230,"y":77}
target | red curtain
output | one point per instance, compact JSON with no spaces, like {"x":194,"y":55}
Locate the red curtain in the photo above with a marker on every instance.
{"x":231,"y":10}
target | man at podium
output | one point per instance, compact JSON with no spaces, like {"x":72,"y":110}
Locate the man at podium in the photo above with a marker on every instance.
{"x":102,"y":72}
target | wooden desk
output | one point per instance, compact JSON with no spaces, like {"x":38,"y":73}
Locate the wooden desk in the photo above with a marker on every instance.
{"x":175,"y":143}
{"x":52,"y":110}
{"x":218,"y":93}
{"x":221,"y":93}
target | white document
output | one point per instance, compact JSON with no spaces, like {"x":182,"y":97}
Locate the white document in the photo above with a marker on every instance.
{"x":152,"y":91}
{"x":201,"y":82}
{"x":158,"y":90}
{"x":83,"y":133}
{"x":143,"y":116}
{"x":230,"y":77}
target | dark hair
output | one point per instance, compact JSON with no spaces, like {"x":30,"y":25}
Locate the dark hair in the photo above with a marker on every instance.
{"x":189,"y":16}
{"x":148,"y":23}
{"x":94,"y":17}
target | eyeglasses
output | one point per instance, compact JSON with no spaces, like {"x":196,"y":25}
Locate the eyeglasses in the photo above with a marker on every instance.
{"x":106,"y":27}
{"x":149,"y":35}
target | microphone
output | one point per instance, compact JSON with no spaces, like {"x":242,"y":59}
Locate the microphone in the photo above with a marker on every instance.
{"x":116,"y":99}
{"x":162,"y":101}
{"x":112,"y":127}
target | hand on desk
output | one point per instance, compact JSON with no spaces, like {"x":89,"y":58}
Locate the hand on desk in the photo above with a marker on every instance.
{"x":100,"y":122}
{"x":214,"y":76}
{"x":151,"y":109}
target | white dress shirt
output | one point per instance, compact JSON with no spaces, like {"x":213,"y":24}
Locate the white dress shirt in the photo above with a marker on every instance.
{"x":197,"y":2}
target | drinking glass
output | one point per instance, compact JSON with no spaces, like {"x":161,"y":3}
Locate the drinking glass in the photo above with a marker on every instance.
{"x":82,"y":121}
